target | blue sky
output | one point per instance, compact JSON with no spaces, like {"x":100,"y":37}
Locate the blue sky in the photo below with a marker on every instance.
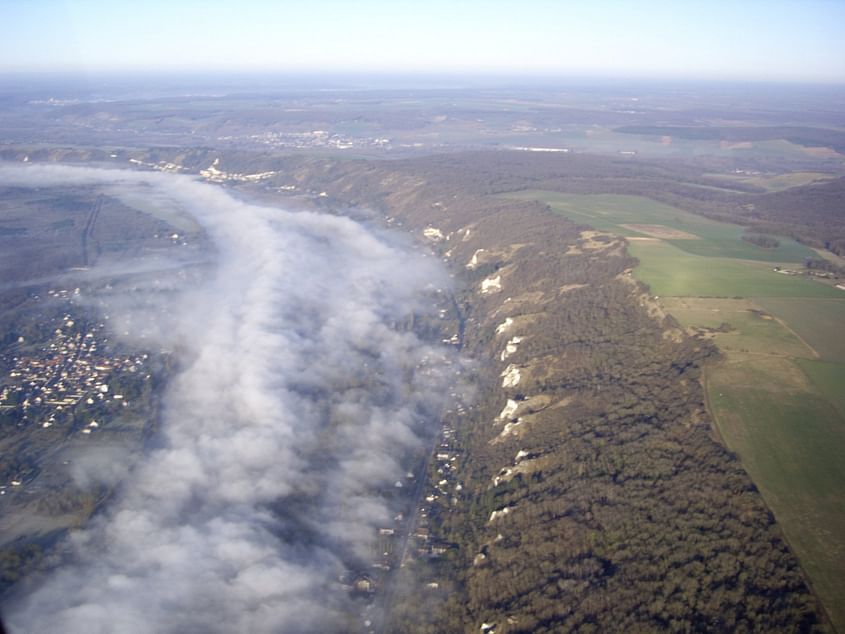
{"x":739,"y":39}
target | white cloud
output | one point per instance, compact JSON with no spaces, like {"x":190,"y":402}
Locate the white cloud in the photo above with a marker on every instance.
{"x":296,"y":403}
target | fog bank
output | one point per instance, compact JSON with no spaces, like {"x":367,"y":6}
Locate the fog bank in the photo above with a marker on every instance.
{"x":281,"y":437}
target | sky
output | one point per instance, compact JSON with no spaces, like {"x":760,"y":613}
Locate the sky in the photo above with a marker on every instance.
{"x":764,"y":40}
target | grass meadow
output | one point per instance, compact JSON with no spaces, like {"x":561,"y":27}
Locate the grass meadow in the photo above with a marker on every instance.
{"x":790,"y":439}
{"x":611,"y":212}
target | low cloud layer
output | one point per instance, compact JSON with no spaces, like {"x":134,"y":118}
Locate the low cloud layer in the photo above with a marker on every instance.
{"x":298,"y":401}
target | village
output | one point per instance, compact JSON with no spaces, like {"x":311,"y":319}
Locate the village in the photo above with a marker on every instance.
{"x":409,"y":538}
{"x":315,"y":139}
{"x":67,"y":380}
{"x":429,"y":490}
{"x":441,"y":489}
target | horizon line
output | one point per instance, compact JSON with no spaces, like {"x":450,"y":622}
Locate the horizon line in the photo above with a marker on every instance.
{"x":417,"y":73}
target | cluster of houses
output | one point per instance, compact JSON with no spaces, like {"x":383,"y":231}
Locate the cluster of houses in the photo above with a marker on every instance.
{"x":48,"y":382}
{"x":443,"y":488}
{"x":421,"y":544}
{"x":315,"y":139}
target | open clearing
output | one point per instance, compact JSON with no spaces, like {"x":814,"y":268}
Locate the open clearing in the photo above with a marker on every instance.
{"x":661,"y":231}
{"x":791,"y":441}
{"x":829,"y":378}
{"x":611,"y":212}
{"x":751,"y":328}
{"x":777,"y":182}
{"x":670,"y":271}
{"x":778,"y":394}
{"x":819,"y":322}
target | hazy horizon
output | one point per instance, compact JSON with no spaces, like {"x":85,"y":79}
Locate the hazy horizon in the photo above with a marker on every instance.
{"x":763,"y":42}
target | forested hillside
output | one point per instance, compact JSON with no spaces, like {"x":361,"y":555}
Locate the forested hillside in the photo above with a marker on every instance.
{"x":595,"y":495}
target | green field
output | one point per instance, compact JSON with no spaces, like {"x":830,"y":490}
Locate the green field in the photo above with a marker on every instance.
{"x":819,"y":322}
{"x":609,"y":212}
{"x":751,"y":328}
{"x":829,"y":378}
{"x":777,"y":182}
{"x":791,"y":441}
{"x":778,"y":394}
{"x":671,"y":272}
